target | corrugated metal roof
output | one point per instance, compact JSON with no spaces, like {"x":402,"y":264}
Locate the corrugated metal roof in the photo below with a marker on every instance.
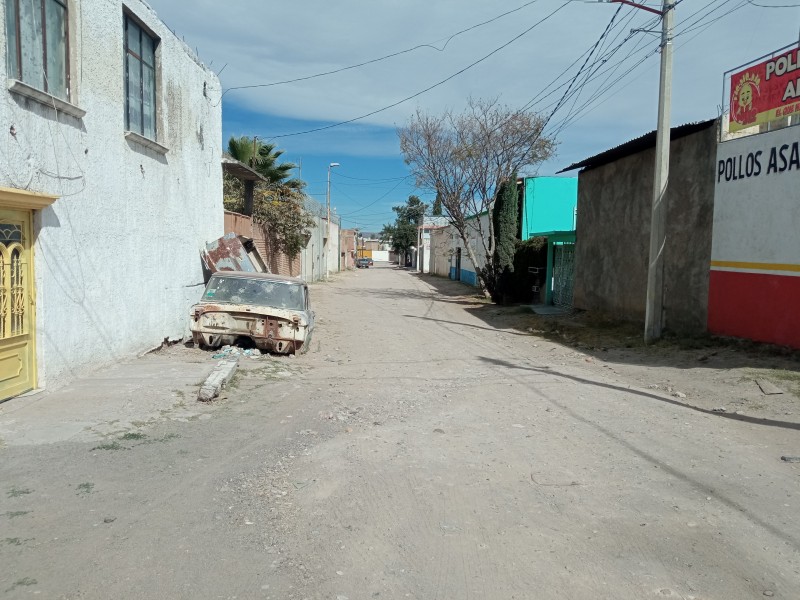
{"x":636,"y":145}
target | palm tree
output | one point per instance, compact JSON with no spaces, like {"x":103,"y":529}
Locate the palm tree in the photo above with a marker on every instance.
{"x":263,"y":158}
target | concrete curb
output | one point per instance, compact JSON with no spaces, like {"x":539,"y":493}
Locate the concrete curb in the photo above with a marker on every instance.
{"x":218,"y":379}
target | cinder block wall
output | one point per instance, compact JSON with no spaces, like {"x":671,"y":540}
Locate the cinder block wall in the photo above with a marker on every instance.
{"x":613,"y":234}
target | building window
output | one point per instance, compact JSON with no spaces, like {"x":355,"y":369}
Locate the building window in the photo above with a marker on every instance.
{"x":140,"y":80}
{"x":38,"y":50}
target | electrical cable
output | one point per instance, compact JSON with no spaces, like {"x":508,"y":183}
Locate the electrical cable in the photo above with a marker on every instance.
{"x":372,"y":203}
{"x":609,"y":94}
{"x":541,"y":96}
{"x":773,"y":5}
{"x":429,"y":88}
{"x":382,"y":58}
{"x":369,"y":179}
{"x":533,"y":138}
{"x":571,"y":118}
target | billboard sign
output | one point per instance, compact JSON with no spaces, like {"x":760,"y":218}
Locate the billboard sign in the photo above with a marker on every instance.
{"x":766,"y":91}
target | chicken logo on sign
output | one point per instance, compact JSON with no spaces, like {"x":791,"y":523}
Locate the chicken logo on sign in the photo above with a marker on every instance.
{"x":745,"y":95}
{"x":766,"y":92}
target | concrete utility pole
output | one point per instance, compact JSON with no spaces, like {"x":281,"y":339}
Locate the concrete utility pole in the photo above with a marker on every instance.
{"x":420,"y":237}
{"x":654,"y":313}
{"x":328,"y":206}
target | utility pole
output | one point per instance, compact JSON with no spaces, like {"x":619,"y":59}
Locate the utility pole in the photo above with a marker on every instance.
{"x":328,"y":205}
{"x":654,"y":312}
{"x":420,"y":236}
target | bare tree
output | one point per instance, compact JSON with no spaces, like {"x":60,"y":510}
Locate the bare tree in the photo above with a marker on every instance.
{"x":465,"y":157}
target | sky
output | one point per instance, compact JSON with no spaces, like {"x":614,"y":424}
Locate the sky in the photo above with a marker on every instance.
{"x":527,"y":57}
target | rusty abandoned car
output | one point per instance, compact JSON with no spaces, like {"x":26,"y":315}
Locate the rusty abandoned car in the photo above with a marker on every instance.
{"x":269,"y":312}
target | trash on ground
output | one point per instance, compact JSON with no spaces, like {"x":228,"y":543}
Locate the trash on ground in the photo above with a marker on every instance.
{"x":228,"y":351}
{"x":768,"y":388}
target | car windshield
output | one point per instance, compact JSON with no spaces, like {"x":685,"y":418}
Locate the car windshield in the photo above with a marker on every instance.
{"x":261,"y":292}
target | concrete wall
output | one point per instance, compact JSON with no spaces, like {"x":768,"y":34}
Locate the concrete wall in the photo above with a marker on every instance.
{"x":312,"y":258}
{"x":613,"y":234}
{"x":348,"y":248}
{"x":319,"y":259}
{"x":117,"y":255}
{"x":468,"y":271}
{"x":332,"y":250}
{"x":441,"y":246}
{"x":755,"y":266}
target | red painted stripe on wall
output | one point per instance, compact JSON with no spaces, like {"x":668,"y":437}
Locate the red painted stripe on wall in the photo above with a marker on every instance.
{"x":755,"y":306}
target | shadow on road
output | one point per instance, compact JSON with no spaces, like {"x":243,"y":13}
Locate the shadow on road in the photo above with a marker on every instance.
{"x":644,"y":394}
{"x":620,"y":342}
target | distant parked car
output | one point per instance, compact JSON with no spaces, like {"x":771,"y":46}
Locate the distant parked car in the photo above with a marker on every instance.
{"x":363,"y":263}
{"x":270,"y":311}
{"x":371,"y":263}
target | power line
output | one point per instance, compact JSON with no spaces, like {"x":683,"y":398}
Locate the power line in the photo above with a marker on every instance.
{"x":541,"y":96}
{"x":535,"y":137}
{"x":373,"y":202}
{"x":370,"y":179}
{"x":773,"y":5}
{"x":429,"y":88}
{"x":610,"y":94}
{"x":694,"y":20}
{"x":382,"y":58}
{"x":605,"y":75}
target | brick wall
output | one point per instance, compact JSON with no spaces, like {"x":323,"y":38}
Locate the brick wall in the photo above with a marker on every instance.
{"x":277,"y":262}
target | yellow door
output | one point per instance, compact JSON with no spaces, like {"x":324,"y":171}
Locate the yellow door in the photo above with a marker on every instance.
{"x":17,"y":350}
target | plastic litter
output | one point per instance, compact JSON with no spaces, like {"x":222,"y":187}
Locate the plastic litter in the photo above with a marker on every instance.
{"x":227,"y":351}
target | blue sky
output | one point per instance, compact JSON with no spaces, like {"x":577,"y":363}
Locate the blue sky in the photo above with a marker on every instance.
{"x":263,"y":42}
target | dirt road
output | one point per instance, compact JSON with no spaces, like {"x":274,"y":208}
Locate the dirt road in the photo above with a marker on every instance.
{"x":416,"y":452}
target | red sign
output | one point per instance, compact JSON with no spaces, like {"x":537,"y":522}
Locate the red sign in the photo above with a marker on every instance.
{"x":765,"y":92}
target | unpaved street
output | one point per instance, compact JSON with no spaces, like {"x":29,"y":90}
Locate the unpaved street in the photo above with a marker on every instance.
{"x":420,"y":452}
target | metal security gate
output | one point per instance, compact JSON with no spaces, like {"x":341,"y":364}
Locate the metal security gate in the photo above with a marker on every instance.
{"x":563,"y":274}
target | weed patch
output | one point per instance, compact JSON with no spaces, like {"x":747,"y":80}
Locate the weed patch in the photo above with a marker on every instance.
{"x":16,"y":513}
{"x":133,"y":435}
{"x":165,"y":438}
{"x":109,"y":446}
{"x":13,"y":541}
{"x":24,"y":582}
{"x":85,"y":488}
{"x":16,"y":492}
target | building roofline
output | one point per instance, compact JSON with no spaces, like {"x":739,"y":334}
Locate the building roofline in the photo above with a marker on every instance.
{"x":636,"y":145}
{"x":240,"y":170}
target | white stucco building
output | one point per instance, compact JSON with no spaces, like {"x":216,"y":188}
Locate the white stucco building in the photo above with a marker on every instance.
{"x":109,"y":186}
{"x":447,"y":255}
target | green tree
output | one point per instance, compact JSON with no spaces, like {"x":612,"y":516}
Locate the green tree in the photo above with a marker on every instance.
{"x":280,"y":211}
{"x":403,"y":234}
{"x":278,"y":201}
{"x":263,"y":158}
{"x":436,"y":211}
{"x":505,"y":218}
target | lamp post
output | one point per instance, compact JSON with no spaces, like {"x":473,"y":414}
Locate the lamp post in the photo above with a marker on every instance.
{"x":328,"y":207}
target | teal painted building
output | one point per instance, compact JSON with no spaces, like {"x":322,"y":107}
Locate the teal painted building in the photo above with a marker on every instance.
{"x":549,"y":209}
{"x":549,"y":205}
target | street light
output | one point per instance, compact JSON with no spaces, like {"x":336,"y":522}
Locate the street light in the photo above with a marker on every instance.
{"x":328,"y":205}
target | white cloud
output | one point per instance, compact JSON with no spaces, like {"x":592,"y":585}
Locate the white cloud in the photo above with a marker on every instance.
{"x":262,"y":42}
